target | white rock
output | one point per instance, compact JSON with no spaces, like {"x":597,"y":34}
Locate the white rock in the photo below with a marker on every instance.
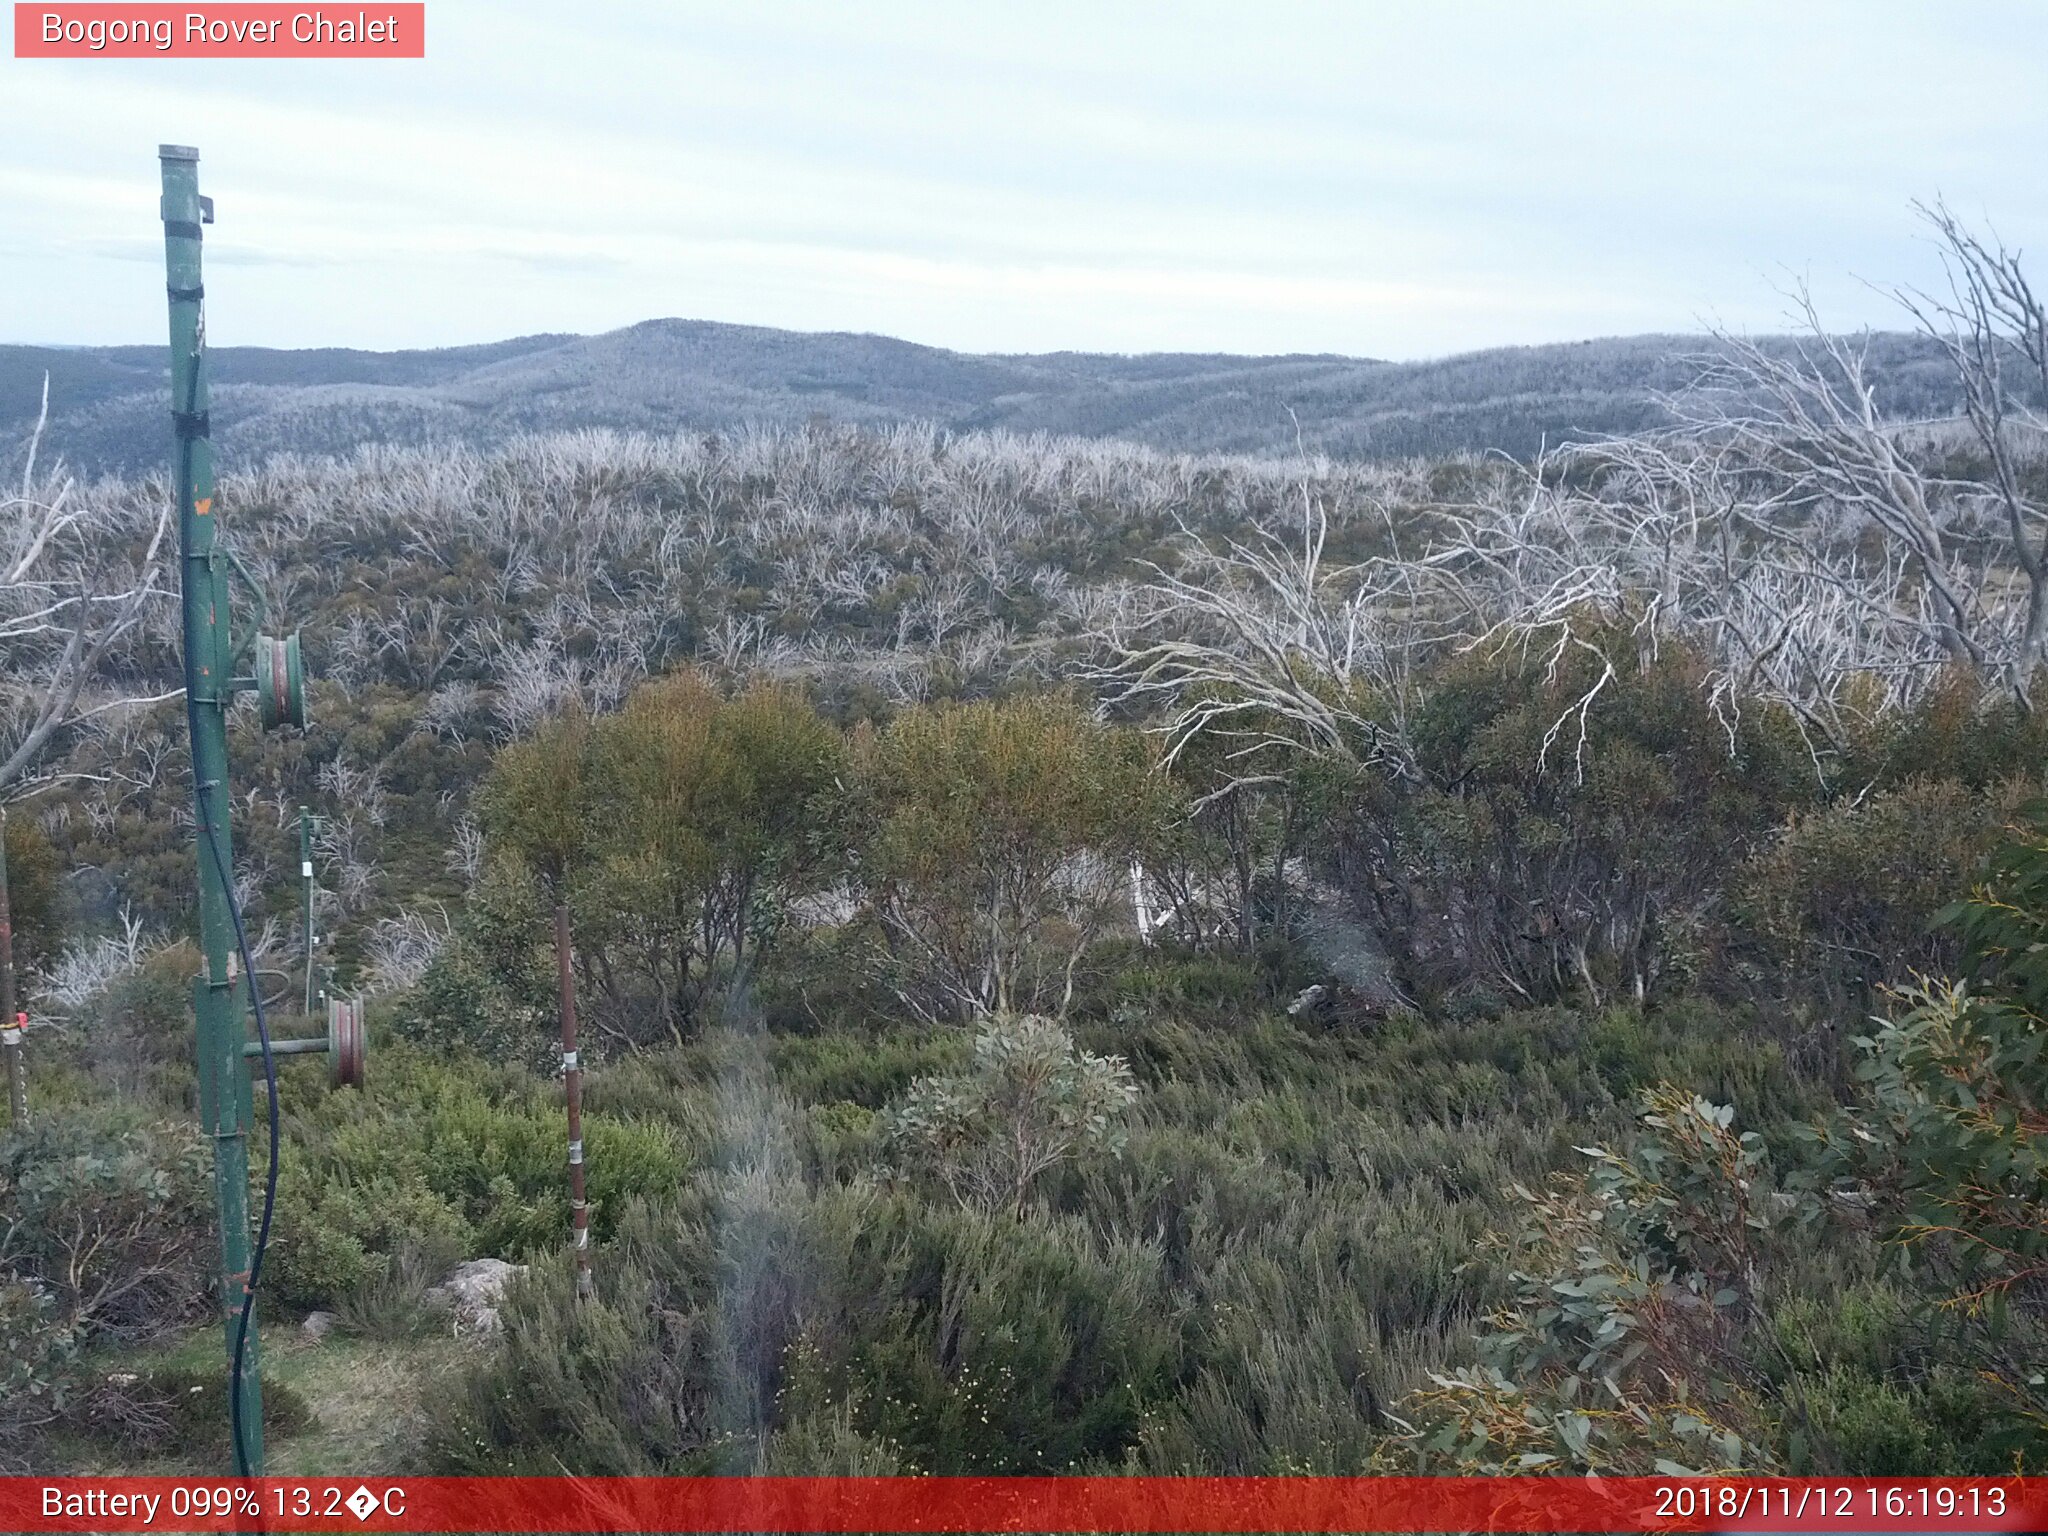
{"x":318,"y":1325}
{"x":473,"y":1291}
{"x":1308,"y":999}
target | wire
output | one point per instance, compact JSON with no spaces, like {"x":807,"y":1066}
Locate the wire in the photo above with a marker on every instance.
{"x":270,"y":1174}
{"x":227,"y":886}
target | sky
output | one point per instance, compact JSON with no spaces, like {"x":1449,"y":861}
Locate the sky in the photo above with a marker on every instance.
{"x":1353,"y":176}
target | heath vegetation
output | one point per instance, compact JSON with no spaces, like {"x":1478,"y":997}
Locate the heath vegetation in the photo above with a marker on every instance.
{"x":1096,"y":958}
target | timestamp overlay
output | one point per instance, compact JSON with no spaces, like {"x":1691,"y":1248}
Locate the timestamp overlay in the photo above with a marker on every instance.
{"x":1043,"y":1504}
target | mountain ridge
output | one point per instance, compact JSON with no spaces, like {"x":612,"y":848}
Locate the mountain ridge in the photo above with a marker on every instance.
{"x":108,"y":403}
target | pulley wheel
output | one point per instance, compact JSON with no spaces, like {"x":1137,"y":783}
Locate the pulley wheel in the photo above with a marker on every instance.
{"x":347,"y":1045}
{"x":280,"y":682}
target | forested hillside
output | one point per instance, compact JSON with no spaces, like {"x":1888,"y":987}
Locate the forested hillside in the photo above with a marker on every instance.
{"x":1091,"y":957}
{"x":670,"y":374}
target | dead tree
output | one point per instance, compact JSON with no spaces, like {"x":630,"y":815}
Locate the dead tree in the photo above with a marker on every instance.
{"x":1969,"y":552}
{"x":78,"y":573}
{"x":1994,"y":332}
{"x":1259,"y":642}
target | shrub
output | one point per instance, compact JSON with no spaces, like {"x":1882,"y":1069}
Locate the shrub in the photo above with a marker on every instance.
{"x":1567,"y":833}
{"x":1251,"y":809}
{"x":449,"y":1156}
{"x":39,"y":1373}
{"x":1848,"y":895}
{"x":107,"y":1211}
{"x":737,"y":1326}
{"x":679,"y":830}
{"x":1957,"y":733}
{"x":337,"y":1230}
{"x":181,"y":1413}
{"x":104,"y":1235}
{"x":392,"y":1303}
{"x":1621,"y":1351}
{"x":1221,"y":987}
{"x":1955,"y":1131}
{"x":1037,"y":1348}
{"x":1874,"y":1428}
{"x":826,"y":1443}
{"x":35,"y":894}
{"x":1001,"y":842}
{"x":867,"y":1069}
{"x":491,"y":989}
{"x":1028,"y":1102}
{"x":136,"y":1035}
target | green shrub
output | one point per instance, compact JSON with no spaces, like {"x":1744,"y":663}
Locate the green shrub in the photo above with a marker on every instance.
{"x":1184,"y":985}
{"x":1001,"y":834}
{"x":453,"y":1155}
{"x":756,"y":1308}
{"x":36,"y":899}
{"x":1548,"y":849}
{"x":492,"y":989}
{"x":1869,"y":1427}
{"x":868,"y":1069}
{"x":1958,"y":733}
{"x":679,"y":830}
{"x":1867,"y":1327}
{"x":392,"y":1303}
{"x":1309,"y":1309}
{"x":825,"y":1443}
{"x":109,"y":1211}
{"x":337,"y":1228}
{"x":136,"y":1037}
{"x":843,"y":1140}
{"x":1848,"y":895}
{"x":1622,"y":1350}
{"x":1038,"y":1348}
{"x":1027,"y":1103}
{"x":40,"y":1377}
{"x":1953,"y":1136}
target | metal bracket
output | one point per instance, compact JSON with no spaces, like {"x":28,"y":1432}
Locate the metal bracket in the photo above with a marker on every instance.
{"x":236,"y":568}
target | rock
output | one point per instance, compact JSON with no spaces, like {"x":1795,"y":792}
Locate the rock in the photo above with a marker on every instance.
{"x":473,"y":1291}
{"x":318,"y":1325}
{"x":1308,"y":999}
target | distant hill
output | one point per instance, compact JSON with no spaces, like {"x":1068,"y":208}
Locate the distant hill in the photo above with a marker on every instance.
{"x":109,"y":404}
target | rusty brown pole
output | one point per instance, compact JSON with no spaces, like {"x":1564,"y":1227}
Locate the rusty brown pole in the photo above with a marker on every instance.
{"x":10,"y":1021}
{"x":572,"y":1086}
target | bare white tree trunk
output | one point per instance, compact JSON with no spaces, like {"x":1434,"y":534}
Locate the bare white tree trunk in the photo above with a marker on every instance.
{"x":72,"y":586}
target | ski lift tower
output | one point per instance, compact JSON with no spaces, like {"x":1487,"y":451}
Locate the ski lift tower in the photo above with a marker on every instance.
{"x":226,"y":991}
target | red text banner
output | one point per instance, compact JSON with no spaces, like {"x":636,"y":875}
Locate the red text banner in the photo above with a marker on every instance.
{"x":1049,"y":1504}
{"x":231,"y":31}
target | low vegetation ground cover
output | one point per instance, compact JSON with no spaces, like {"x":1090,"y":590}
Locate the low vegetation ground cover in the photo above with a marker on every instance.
{"x":1091,"y":960}
{"x":1282,"y":1261}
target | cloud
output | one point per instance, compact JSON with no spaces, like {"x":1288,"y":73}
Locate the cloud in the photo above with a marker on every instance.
{"x":1290,"y":177}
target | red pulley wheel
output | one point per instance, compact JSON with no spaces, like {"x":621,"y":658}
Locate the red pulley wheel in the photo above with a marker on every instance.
{"x":347,"y":1048}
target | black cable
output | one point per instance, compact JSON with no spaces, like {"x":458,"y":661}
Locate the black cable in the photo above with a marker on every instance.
{"x":227,"y":886}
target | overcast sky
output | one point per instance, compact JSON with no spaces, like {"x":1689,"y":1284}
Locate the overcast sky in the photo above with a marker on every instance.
{"x":1368,"y":178}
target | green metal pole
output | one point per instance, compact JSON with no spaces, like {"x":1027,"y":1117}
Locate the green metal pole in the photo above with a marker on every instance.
{"x":306,"y":896}
{"x":224,"y":1087}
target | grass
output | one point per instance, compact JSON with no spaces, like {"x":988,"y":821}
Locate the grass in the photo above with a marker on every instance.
{"x":359,"y":1400}
{"x":1290,"y":1238}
